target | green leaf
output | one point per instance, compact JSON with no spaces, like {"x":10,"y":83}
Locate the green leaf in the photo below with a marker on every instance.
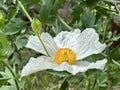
{"x":22,"y":83}
{"x":55,"y":6}
{"x":3,"y":5}
{"x":92,"y":3}
{"x":2,"y":20}
{"x":48,"y":10}
{"x":64,"y":85}
{"x":21,"y":41}
{"x":5,"y":87}
{"x":16,"y":58}
{"x":15,"y":26}
{"x":3,"y":81}
{"x":4,"y":45}
{"x":115,"y":38}
{"x":45,"y":9}
{"x":57,"y":28}
{"x":88,"y":18}
{"x":7,"y":74}
{"x":117,"y":63}
{"x":77,"y":10}
{"x":115,"y":53}
{"x":104,"y":11}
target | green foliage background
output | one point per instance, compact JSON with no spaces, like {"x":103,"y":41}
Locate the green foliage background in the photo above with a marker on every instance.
{"x":56,"y":16}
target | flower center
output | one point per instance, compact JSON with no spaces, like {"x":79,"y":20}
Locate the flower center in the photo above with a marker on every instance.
{"x":65,"y":55}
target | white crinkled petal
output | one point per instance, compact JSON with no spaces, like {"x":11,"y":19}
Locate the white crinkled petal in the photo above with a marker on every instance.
{"x":49,"y":43}
{"x":83,"y":44}
{"x":61,"y":38}
{"x":81,"y":66}
{"x":35,"y":44}
{"x":88,"y":44}
{"x":63,"y":67}
{"x":67,"y":39}
{"x":43,"y":63}
{"x":36,"y":64}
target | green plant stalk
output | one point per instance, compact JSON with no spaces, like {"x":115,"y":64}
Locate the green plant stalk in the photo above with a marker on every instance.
{"x":95,"y":83}
{"x":104,"y":34}
{"x":43,"y":45}
{"x":117,"y":8}
{"x":24,"y":10}
{"x":26,"y":13}
{"x":89,"y":83}
{"x":17,"y":86}
{"x":64,"y":23}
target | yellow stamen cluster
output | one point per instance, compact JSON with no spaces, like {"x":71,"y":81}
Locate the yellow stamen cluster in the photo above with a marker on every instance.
{"x":65,"y":55}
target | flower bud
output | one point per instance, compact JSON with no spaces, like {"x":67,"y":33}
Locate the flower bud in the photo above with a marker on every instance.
{"x":36,"y":26}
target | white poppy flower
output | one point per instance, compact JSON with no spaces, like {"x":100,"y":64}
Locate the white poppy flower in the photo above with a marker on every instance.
{"x":66,"y":51}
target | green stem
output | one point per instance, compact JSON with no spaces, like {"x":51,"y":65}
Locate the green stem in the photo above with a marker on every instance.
{"x":94,"y":86}
{"x":17,"y":86}
{"x":26,"y":13}
{"x":43,"y":45}
{"x":64,"y":23}
{"x":104,"y":35}
{"x":89,"y":82}
{"x":24,"y":10}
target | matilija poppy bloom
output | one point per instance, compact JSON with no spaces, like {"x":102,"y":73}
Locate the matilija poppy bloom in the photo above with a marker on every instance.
{"x":66,"y":52}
